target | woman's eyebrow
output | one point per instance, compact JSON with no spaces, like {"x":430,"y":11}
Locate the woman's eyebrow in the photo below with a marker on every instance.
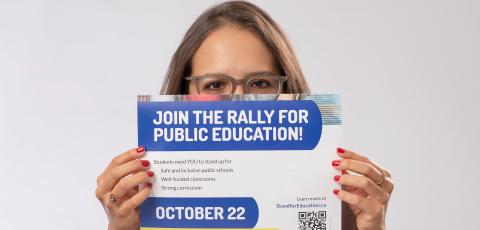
{"x":260,"y":73}
{"x":214,"y":74}
{"x":249,"y":74}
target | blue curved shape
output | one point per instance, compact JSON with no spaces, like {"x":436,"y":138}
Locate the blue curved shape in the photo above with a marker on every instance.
{"x":199,"y":212}
{"x":309,"y":132}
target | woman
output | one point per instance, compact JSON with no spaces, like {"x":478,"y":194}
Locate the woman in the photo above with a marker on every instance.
{"x":227,"y":49}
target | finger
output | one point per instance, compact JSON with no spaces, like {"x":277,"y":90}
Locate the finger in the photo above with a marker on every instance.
{"x":127,"y":156}
{"x":108,"y":180}
{"x":368,"y":206}
{"x":388,"y":182}
{"x":346,"y":187}
{"x":348,"y":154}
{"x":131,"y":192}
{"x":388,"y":185}
{"x":128,"y":183}
{"x":118,"y":160}
{"x":373,"y":191}
{"x":137,"y":199}
{"x":359,"y":167}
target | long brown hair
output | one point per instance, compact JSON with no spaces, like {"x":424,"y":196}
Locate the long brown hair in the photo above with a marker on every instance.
{"x":239,"y":13}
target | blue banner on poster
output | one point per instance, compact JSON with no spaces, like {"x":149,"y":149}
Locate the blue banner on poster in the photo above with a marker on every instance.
{"x":199,"y":212}
{"x":229,"y":125}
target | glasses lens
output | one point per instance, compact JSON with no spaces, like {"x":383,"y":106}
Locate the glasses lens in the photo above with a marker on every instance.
{"x":265,"y":84}
{"x":214,"y":85}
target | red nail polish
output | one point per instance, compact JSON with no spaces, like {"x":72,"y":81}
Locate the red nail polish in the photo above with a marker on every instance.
{"x":340,"y":150}
{"x":336,"y":178}
{"x":335,"y":163}
{"x":150,"y":173}
{"x":149,"y":185}
{"x":140,"y":149}
{"x":145,"y":163}
{"x":336,"y":191}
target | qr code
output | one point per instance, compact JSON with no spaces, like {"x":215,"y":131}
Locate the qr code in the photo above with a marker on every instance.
{"x":312,"y":220}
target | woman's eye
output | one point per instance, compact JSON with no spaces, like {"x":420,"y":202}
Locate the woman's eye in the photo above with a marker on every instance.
{"x":260,"y":84}
{"x":215,"y":85}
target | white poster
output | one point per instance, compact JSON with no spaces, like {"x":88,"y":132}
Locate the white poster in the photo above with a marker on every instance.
{"x":241,"y":161}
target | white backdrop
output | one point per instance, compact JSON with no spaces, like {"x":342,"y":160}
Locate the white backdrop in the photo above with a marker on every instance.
{"x":70,"y":72}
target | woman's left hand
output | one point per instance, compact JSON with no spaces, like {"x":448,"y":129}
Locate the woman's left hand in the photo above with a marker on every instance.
{"x":368,"y":193}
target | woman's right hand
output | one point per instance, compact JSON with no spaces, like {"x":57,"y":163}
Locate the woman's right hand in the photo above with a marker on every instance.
{"x":118,"y":189}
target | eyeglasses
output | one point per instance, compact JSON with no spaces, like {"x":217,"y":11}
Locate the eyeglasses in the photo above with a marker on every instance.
{"x":224,"y":84}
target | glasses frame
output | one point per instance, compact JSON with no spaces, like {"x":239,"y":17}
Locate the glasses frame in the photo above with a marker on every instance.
{"x":235,"y":82}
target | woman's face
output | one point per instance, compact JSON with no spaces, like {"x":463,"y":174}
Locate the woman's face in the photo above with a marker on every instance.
{"x":232,"y":51}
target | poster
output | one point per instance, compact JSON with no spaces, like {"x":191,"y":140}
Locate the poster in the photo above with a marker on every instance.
{"x":241,"y":161}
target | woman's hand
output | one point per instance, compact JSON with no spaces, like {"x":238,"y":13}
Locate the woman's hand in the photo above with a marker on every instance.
{"x":118,"y":189}
{"x":368,"y":193}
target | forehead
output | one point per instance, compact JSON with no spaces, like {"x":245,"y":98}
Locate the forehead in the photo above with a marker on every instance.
{"x":232,"y":50}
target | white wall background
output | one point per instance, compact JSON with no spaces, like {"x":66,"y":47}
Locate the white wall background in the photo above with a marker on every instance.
{"x":70,"y":72}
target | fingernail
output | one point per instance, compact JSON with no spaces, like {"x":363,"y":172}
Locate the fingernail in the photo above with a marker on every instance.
{"x":149,"y":185}
{"x":336,"y":191}
{"x":336,"y":178}
{"x":150,"y":173}
{"x":145,"y":163}
{"x":340,"y":150}
{"x":140,"y":149}
{"x":335,"y":163}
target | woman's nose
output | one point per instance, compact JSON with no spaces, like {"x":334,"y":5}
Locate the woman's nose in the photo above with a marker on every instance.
{"x":239,"y":90}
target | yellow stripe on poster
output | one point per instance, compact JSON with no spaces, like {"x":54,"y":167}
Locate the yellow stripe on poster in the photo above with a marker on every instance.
{"x":209,"y":229}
